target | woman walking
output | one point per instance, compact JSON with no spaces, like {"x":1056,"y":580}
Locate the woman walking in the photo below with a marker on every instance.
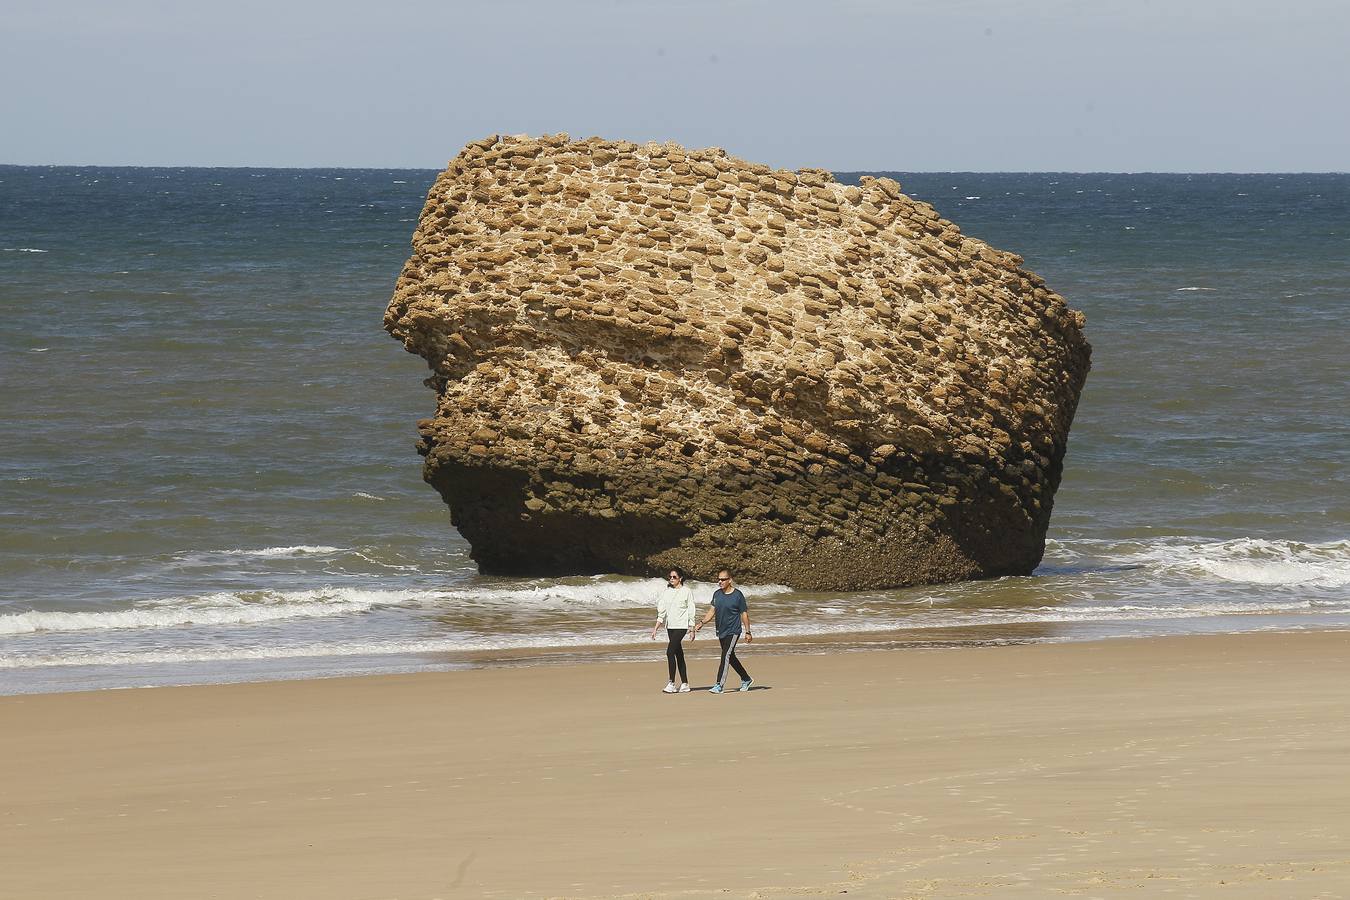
{"x":675,"y":608}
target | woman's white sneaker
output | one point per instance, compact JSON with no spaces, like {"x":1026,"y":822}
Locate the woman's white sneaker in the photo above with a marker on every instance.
{"x":669,"y":688}
{"x":684,"y":689}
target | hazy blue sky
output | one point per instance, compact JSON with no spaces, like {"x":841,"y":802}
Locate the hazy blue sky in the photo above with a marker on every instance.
{"x":1014,"y":85}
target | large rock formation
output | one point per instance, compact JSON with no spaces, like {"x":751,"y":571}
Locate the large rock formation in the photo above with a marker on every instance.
{"x":649,"y":356}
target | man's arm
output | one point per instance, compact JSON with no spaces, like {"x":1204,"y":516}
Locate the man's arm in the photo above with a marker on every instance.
{"x":706,"y":619}
{"x":745,"y":624}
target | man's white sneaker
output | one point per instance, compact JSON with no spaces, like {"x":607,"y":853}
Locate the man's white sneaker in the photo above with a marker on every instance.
{"x":669,"y":688}
{"x":684,"y":689}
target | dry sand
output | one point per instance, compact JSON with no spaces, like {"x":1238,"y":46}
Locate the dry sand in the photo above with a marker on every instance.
{"x":1186,"y":767}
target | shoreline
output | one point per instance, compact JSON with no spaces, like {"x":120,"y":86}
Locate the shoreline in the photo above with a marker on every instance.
{"x":1207,"y":765}
{"x":954,"y":637}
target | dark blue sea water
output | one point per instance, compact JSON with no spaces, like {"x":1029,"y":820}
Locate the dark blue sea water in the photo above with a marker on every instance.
{"x":207,"y":473}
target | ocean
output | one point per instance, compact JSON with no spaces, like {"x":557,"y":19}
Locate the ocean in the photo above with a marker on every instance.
{"x":207,"y":470}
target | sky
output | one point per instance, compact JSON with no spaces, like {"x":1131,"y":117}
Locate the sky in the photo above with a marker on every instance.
{"x":912,"y":85}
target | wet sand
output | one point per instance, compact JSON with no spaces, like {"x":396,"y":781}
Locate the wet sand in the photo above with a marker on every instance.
{"x":1186,"y":767}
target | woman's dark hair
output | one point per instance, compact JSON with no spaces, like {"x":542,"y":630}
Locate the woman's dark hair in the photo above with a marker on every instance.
{"x":678,"y":571}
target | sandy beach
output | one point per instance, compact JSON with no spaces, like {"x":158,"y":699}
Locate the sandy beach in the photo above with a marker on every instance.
{"x":1183,"y":766}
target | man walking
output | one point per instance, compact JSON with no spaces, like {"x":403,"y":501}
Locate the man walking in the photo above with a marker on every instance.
{"x":733,"y":615}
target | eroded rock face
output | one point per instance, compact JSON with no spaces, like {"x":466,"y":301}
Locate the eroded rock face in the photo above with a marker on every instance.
{"x":649,"y":356}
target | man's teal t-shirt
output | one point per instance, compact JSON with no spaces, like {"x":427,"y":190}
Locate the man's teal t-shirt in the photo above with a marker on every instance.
{"x":728,"y":608}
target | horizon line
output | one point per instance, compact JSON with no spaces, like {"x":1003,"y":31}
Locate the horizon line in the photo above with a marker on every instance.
{"x":868,"y":171}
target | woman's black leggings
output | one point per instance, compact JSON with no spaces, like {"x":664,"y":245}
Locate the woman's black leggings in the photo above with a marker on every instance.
{"x":675,"y":653}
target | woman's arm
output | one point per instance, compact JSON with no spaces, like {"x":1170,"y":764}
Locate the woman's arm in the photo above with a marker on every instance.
{"x":660,"y":615}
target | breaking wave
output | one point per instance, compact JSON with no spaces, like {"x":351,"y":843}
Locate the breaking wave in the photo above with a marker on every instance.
{"x":1276,"y":563}
{"x":298,"y":550}
{"x":255,"y":607}
{"x":224,"y":608}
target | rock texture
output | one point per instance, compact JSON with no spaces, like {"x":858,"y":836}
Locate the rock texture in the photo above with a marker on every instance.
{"x":649,"y":356}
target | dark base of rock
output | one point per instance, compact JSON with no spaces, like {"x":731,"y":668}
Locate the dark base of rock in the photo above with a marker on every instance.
{"x":510,"y":538}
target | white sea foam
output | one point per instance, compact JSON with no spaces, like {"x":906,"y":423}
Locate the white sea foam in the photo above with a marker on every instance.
{"x":1253,"y":561}
{"x":298,"y":550}
{"x":601,"y":592}
{"x":224,"y":608}
{"x":1139,"y":612}
{"x":254,"y":607}
{"x":317,"y":650}
{"x":24,"y":250}
{"x":364,"y":496}
{"x":543,"y":641}
{"x":1258,"y":561}
{"x":1196,"y":289}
